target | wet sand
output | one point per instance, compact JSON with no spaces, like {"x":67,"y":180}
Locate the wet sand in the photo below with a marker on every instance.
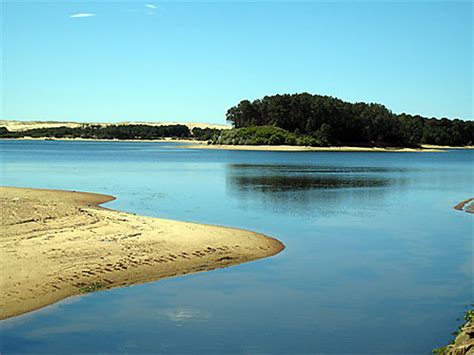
{"x":57,"y":244}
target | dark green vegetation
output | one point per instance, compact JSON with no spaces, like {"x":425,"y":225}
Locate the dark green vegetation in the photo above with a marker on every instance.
{"x":268,"y":135}
{"x":113,"y":132}
{"x":315,"y":120}
{"x":205,"y":134}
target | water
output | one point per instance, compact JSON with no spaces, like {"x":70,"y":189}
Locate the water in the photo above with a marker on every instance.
{"x":376,"y":259}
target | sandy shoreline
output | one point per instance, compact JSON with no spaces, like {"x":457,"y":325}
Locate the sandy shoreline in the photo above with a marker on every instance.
{"x":194,"y":144}
{"x":295,"y":148}
{"x":431,"y":146}
{"x":57,"y":244}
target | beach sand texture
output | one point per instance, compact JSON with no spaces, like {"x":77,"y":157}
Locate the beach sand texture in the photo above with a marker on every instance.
{"x":56,"y":244}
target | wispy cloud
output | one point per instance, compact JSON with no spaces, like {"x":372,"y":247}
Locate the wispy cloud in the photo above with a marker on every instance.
{"x":82,"y":14}
{"x":150,"y":6}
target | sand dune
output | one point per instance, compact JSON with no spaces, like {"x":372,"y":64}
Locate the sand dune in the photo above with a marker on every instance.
{"x":56,"y":244}
{"x":13,"y":126}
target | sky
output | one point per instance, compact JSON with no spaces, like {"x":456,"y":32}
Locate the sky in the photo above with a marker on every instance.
{"x":191,"y":61}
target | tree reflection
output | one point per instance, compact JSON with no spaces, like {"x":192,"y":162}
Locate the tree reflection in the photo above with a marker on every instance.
{"x":299,"y":187}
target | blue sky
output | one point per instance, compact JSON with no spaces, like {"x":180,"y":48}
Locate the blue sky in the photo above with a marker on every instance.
{"x":164,"y":61}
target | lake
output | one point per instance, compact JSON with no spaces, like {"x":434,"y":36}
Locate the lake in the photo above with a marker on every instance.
{"x":376,"y":258}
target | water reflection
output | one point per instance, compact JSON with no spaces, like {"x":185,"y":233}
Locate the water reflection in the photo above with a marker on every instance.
{"x":307,"y":187}
{"x":267,"y":178}
{"x":182,"y":315}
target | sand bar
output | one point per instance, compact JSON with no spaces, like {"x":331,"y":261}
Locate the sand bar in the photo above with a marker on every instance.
{"x":296,"y":148}
{"x":56,"y":244}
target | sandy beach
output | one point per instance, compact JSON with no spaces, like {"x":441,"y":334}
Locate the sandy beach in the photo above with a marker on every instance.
{"x":431,"y":146}
{"x":296,"y":148}
{"x":57,"y":244}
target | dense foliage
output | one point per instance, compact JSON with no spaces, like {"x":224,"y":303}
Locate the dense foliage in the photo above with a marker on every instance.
{"x":103,"y":132}
{"x":324,"y":120}
{"x":264,"y":135}
{"x":205,"y":134}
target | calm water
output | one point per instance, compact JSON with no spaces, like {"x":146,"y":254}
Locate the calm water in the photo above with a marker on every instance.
{"x":376,"y":259}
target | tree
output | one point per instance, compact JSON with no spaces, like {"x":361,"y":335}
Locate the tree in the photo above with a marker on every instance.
{"x":351,"y":123}
{"x":324,"y":134}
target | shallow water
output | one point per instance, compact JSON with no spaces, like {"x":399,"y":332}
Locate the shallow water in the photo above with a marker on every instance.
{"x":376,"y":258}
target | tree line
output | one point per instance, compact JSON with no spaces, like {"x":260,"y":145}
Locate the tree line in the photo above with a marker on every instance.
{"x":128,"y":132}
{"x":325,"y":120}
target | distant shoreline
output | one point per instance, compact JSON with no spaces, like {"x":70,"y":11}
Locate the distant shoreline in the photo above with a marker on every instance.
{"x":195,"y":144}
{"x":162,"y":140}
{"x":296,"y":148}
{"x":57,"y":244}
